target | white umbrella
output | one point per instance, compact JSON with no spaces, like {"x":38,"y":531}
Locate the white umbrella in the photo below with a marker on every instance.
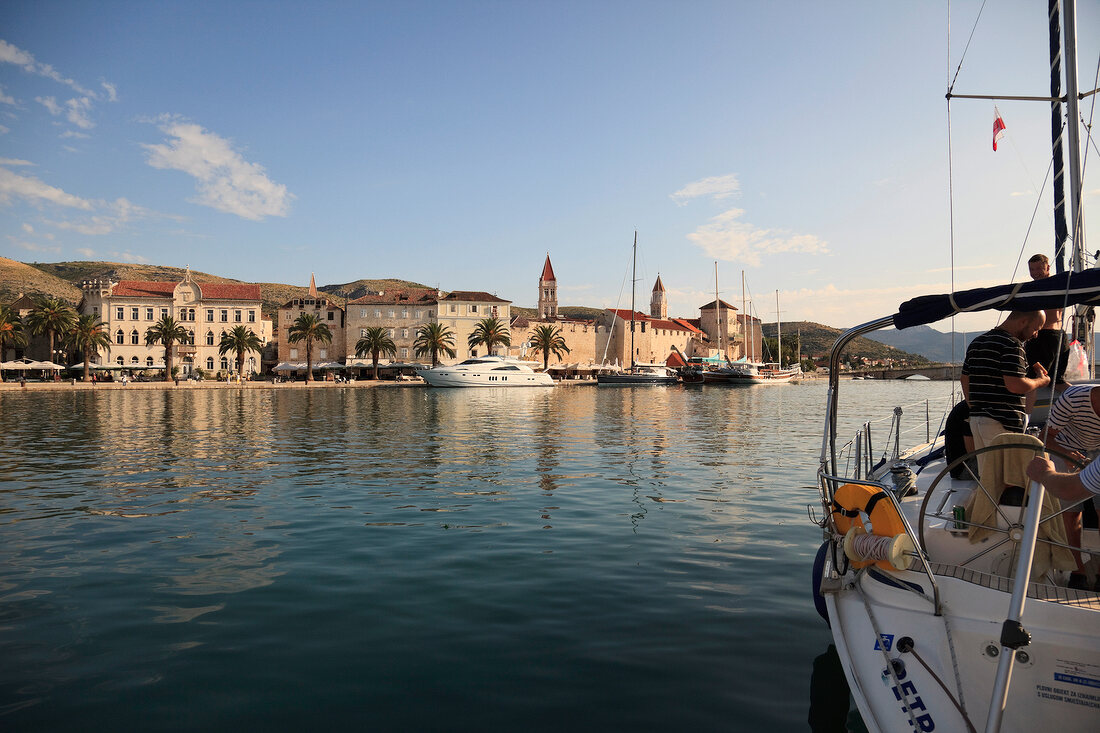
{"x":45,"y":365}
{"x":287,"y":366}
{"x":19,"y":364}
{"x":329,"y":365}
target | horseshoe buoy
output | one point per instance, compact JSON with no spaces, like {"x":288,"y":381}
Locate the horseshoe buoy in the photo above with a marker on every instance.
{"x":887,"y":546}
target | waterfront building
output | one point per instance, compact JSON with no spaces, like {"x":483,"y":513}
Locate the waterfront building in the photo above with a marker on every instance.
{"x":720,"y":322}
{"x":327,"y":311}
{"x":37,"y":347}
{"x":401,"y":312}
{"x":206,"y":310}
{"x":461,"y":310}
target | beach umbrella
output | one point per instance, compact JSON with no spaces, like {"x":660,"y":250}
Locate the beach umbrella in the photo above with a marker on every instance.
{"x":19,"y":365}
{"x":46,"y":365}
{"x":286,"y":366}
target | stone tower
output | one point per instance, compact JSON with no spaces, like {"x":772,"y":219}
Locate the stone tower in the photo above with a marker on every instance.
{"x":658,"y":301}
{"x":548,"y":292}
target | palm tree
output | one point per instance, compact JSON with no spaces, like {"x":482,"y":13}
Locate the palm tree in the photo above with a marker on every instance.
{"x":434,"y":339}
{"x":489,"y":331}
{"x":166,"y":331}
{"x":375,"y":342}
{"x":89,"y":334}
{"x":240,"y":339}
{"x":11,"y":330}
{"x":50,"y":316}
{"x":309,"y":328}
{"x":548,"y":340}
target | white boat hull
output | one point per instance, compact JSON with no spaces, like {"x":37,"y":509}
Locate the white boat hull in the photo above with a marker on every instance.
{"x":489,"y":371}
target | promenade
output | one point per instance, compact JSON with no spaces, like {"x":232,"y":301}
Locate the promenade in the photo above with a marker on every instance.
{"x":210,"y":384}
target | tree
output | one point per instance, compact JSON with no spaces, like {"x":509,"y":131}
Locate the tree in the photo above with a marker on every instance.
{"x":88,"y":334}
{"x":434,"y":339}
{"x":11,"y":330}
{"x":167,"y":331}
{"x":239,"y":339}
{"x":489,"y":331}
{"x":548,"y":340}
{"x":375,"y":341}
{"x":309,"y":328}
{"x":50,"y":317}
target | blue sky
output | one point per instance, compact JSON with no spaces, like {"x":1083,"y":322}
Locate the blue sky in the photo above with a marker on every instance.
{"x":457,"y":143}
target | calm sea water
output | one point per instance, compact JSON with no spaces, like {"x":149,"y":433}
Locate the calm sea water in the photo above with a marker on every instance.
{"x":412,"y":559}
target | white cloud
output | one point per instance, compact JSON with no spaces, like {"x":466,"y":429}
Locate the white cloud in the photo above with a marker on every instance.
{"x":28,"y":228}
{"x":14,"y":161}
{"x":85,"y":251}
{"x":115,"y":214}
{"x":14,"y":55}
{"x":129,"y":257}
{"x":50,"y":104}
{"x":961,"y":268}
{"x":726,"y":237}
{"x":4,"y":130}
{"x":32,"y":246}
{"x":5,"y":98}
{"x":74,"y":133}
{"x":78,"y":112}
{"x":225,"y":180}
{"x":717,"y":187}
{"x":111,"y":89}
{"x":29,"y":188}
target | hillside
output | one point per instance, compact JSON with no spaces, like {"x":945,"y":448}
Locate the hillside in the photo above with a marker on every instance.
{"x":57,"y":279}
{"x":816,"y":340}
{"x":928,"y":342}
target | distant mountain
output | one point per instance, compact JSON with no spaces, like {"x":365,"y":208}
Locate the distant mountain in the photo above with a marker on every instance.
{"x":928,"y":342}
{"x":816,"y":340}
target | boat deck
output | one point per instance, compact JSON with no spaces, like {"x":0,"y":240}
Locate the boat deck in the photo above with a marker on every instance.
{"x":1035,"y":591}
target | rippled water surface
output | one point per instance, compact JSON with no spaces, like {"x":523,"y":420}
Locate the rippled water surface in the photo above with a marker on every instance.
{"x":412,"y":559}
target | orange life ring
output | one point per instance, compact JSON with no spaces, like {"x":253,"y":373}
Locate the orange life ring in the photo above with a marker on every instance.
{"x":850,"y":500}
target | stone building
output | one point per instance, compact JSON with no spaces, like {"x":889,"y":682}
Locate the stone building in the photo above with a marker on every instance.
{"x":461,"y":310}
{"x":37,"y":348}
{"x":548,"y":292}
{"x":400,"y":312}
{"x":329,"y":313}
{"x":206,"y":310}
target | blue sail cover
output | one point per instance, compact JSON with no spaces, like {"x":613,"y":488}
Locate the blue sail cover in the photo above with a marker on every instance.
{"x":1059,"y":291}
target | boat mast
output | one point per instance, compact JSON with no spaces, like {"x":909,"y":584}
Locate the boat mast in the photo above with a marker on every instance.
{"x":718,"y":310}
{"x":778,"y":331}
{"x":745,"y":320}
{"x":633,"y":271}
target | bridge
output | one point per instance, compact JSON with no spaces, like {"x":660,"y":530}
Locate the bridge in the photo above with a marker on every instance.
{"x":940,"y":371}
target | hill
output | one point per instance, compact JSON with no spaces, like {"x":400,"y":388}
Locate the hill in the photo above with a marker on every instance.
{"x":61,"y":279}
{"x":816,"y":340}
{"x":928,"y":342}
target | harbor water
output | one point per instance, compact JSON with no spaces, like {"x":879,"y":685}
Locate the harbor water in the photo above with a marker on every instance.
{"x":414,"y":559}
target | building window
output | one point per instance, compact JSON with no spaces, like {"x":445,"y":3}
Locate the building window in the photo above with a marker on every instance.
{"x":120,"y":337}
{"x":454,"y":308}
{"x":210,"y":363}
{"x":390,"y":333}
{"x":163,"y":312}
{"x":134,"y":337}
{"x":148,"y":314}
{"x":362,"y":312}
{"x":251,"y":316}
{"x":404,"y":333}
{"x":148,"y":361}
{"x":323,"y":354}
{"x":225,"y":362}
{"x":120,"y":313}
{"x":119,"y":361}
{"x":404,"y":353}
{"x":133,"y":360}
{"x":416,"y":315}
{"x":331,"y":316}
{"x":473,"y":309}
{"x":377,"y":312}
{"x":95,"y":309}
{"x":190,"y":314}
{"x":191,"y":338}
{"x":431,"y":315}
{"x":293,"y":353}
{"x":210,"y":314}
{"x":209,"y":338}
{"x":236,"y":316}
{"x":393,"y":313}
{"x":133,"y":313}
{"x":404,"y":312}
{"x":225,"y":315}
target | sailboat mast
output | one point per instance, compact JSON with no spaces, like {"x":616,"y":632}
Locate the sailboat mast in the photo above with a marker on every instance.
{"x":778,"y":331}
{"x":718,"y":309}
{"x":746,"y":319}
{"x":633,"y":272}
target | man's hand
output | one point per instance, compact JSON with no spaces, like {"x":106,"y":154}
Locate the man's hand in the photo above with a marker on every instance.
{"x":1039,"y":468}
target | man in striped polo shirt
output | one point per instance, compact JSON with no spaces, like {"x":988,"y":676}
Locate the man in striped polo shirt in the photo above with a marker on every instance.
{"x":994,"y":377}
{"x":1074,"y":428}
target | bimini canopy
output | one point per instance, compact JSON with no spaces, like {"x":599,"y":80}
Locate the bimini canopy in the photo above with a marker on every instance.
{"x":1067,"y":288}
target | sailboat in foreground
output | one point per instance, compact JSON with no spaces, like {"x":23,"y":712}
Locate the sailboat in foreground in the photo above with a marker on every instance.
{"x":949,"y":605}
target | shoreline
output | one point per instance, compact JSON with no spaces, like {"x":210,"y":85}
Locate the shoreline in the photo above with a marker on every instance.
{"x":188,"y":385}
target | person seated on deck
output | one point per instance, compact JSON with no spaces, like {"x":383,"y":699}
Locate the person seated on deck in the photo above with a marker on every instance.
{"x":1074,"y":428}
{"x":958,"y":440}
{"x":994,"y":377}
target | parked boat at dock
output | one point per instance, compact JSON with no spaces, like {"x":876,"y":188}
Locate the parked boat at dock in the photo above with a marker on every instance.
{"x":487,"y":371}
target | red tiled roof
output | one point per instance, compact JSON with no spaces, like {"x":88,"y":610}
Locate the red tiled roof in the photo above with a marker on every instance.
{"x":476,"y":296}
{"x":547,"y":271}
{"x":208,"y":291}
{"x":425,"y":296}
{"x":668,"y":325}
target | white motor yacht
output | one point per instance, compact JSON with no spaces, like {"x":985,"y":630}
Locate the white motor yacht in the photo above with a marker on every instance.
{"x":487,"y":371}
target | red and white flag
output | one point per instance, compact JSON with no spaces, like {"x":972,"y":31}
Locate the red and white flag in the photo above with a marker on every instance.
{"x":998,"y":127}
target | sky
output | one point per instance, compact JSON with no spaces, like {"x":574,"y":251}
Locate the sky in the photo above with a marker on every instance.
{"x":805,"y":145}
